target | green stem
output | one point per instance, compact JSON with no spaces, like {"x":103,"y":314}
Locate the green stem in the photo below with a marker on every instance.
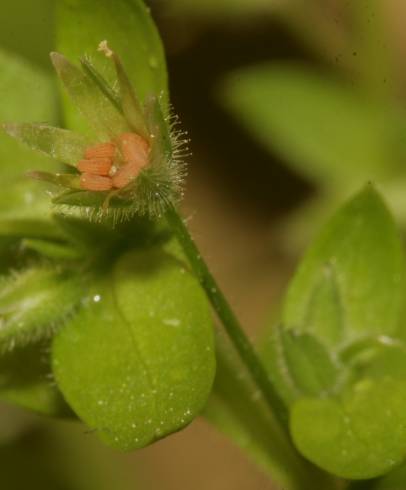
{"x":230,"y":322}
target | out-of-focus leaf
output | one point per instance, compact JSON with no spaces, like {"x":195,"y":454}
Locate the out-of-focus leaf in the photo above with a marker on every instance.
{"x":395,"y":480}
{"x":28,"y":94}
{"x":26,"y":21}
{"x":26,"y":380}
{"x":22,"y":199}
{"x":53,"y":250}
{"x":33,"y":303}
{"x":25,"y":212}
{"x":130,"y":31}
{"x":30,"y":228}
{"x":324,"y":129}
{"x":137,"y":362}
{"x":372,"y":45}
{"x":59,"y":456}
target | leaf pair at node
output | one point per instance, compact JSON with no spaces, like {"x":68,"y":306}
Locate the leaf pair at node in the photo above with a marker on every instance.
{"x":339,"y":358}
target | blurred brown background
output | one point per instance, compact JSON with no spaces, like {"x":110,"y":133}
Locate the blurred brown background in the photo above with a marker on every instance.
{"x":240,"y":197}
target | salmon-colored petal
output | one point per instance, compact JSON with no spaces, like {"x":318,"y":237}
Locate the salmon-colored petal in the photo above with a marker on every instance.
{"x":102,"y":150}
{"x":96,"y":183}
{"x":135,"y":149}
{"x":95,"y":166}
{"x":125,"y":175}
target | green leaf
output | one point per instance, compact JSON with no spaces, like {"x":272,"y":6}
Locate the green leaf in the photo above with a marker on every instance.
{"x":26,"y":380}
{"x":63,"y":145}
{"x":301,"y":366}
{"x":340,"y":353}
{"x":137,"y":363}
{"x":350,"y":283}
{"x":28,"y":21}
{"x":23,"y":199}
{"x":53,"y":250}
{"x":395,"y":480}
{"x":31,"y":96}
{"x":99,"y":112}
{"x":34,"y":303}
{"x":362,"y":434}
{"x":323,"y":128}
{"x":130,"y":31}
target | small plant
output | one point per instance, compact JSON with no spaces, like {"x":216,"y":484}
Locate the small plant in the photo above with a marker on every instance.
{"x":111,"y":286}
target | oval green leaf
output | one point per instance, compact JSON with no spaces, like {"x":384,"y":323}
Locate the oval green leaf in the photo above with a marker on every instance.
{"x":137,"y":363}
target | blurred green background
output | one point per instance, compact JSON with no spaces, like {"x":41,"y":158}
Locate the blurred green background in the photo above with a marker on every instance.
{"x":291,"y":105}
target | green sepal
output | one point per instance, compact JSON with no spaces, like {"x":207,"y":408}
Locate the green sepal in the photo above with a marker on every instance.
{"x":132,"y":108}
{"x":301,"y":366}
{"x":61,"y":144}
{"x":98,"y":110}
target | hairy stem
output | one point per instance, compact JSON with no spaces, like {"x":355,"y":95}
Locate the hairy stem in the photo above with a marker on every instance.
{"x":230,"y":322}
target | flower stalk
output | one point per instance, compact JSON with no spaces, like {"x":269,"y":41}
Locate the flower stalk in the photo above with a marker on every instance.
{"x":229,"y":320}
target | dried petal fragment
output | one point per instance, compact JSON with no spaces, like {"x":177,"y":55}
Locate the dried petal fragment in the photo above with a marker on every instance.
{"x":95,"y":166}
{"x":95,"y":183}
